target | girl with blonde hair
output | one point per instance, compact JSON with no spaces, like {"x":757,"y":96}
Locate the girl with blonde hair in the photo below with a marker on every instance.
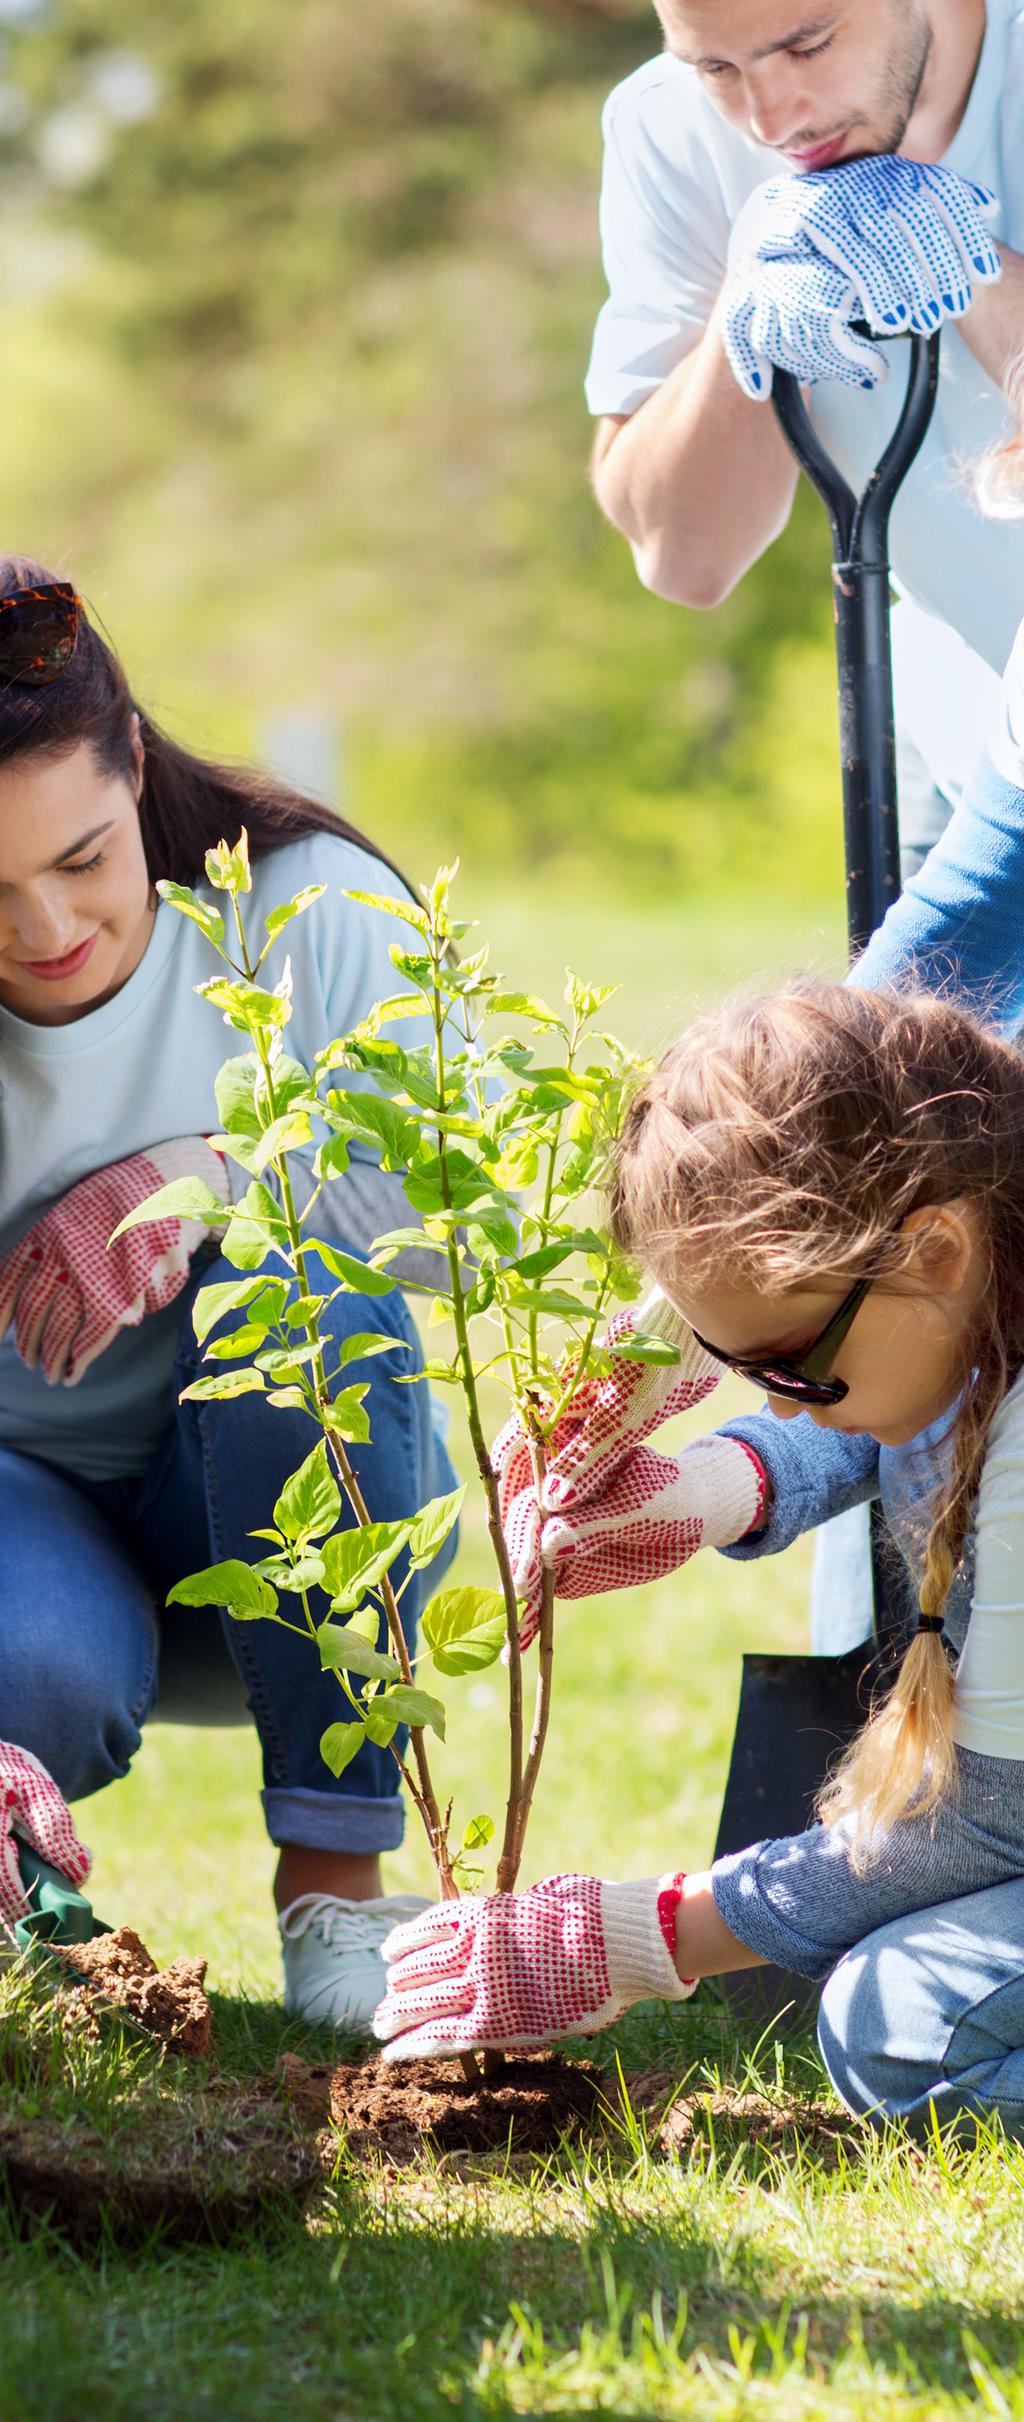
{"x":827,"y":1188}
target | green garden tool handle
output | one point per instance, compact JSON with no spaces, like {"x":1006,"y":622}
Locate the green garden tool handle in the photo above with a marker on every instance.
{"x":58,"y":1913}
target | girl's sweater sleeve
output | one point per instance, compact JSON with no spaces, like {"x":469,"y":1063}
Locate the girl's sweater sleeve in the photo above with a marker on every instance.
{"x":799,"y":1901}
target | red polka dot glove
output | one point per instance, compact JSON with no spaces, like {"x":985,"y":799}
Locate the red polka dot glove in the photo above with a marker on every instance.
{"x":612,"y":1512}
{"x":516,"y":1970}
{"x":69,"y":1291}
{"x":31,"y":1805}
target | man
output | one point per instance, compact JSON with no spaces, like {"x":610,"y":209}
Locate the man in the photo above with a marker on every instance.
{"x":774,"y":99}
{"x":695,"y":472}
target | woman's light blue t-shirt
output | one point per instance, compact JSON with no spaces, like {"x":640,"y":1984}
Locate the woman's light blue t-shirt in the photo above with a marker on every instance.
{"x":139,"y":1071}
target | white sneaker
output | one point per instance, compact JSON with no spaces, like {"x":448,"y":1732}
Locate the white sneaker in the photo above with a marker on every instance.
{"x":333,"y":1970}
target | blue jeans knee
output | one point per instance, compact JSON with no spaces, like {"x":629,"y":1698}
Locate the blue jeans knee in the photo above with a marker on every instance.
{"x":923,"y":2022}
{"x":78,"y":1638}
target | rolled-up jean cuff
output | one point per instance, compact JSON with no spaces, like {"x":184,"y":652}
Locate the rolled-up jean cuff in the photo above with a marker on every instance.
{"x":750,"y":1917}
{"x":319,"y":1820}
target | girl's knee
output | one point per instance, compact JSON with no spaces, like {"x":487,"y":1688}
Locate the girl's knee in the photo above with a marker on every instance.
{"x":883,"y":2056}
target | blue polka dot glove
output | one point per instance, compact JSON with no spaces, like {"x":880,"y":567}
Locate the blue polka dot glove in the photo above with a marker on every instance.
{"x":895,"y":242}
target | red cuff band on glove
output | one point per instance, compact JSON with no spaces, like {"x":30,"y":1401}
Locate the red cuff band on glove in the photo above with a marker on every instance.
{"x":762,"y":1486}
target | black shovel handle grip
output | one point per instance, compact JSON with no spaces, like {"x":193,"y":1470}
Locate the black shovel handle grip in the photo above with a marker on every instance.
{"x":860,"y":523}
{"x":860,"y":597}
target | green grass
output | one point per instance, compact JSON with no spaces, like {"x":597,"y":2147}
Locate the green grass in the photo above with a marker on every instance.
{"x":732,"y":2280}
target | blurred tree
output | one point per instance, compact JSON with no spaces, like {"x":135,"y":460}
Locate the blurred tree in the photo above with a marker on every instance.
{"x":297,"y":303}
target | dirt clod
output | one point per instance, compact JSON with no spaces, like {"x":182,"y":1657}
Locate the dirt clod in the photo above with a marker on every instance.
{"x":391,"y":2110}
{"x":169,"y":2002}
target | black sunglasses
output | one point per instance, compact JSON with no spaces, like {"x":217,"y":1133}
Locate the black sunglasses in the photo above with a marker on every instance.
{"x":38,"y":633}
{"x":801,"y":1376}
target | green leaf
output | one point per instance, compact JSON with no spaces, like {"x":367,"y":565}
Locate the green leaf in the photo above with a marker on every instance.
{"x":586,"y":999}
{"x":201,"y":912}
{"x":344,"y":1650}
{"x":340,"y":1744}
{"x":228,"y":869}
{"x":291,"y":1400}
{"x":307,"y":1573}
{"x":224,"y":1385}
{"x":232,"y":1584}
{"x":411,"y":1706}
{"x":346,"y":1415}
{"x":249,"y":1335}
{"x":187,"y":1198}
{"x":355,"y":1560}
{"x":464,"y":1629}
{"x":280,"y":917}
{"x":479,"y":1831}
{"x":255,"y":1228}
{"x":228,"y":1295}
{"x":408,"y":910}
{"x":537,"y":1265}
{"x":522,"y":1005}
{"x":356,"y":1277}
{"x":378,"y":1725}
{"x":365,"y":1621}
{"x":638,"y":1346}
{"x":398,"y":1005}
{"x":310,"y":1502}
{"x":235,"y":1093}
{"x":286,"y":1134}
{"x":365,"y":1344}
{"x":432,"y":1526}
{"x":246,"y":1006}
{"x":383,"y":1127}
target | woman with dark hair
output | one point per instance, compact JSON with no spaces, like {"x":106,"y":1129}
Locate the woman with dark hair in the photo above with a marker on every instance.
{"x":110,"y":1488}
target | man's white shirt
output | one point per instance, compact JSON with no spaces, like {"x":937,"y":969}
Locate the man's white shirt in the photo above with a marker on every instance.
{"x":675,"y":178}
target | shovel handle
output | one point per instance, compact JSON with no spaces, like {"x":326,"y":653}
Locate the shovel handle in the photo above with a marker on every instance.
{"x":860,"y":588}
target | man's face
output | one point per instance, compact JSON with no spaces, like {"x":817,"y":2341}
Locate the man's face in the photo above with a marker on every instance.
{"x":813,"y":81}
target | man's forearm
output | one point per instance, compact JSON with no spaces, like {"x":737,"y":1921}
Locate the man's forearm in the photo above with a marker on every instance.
{"x":993,"y":328}
{"x":699,"y":480}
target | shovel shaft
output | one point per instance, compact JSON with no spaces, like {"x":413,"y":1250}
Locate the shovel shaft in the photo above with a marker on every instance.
{"x":860,"y":591}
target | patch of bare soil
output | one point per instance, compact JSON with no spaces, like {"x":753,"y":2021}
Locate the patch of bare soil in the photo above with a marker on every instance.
{"x":169,"y":2003}
{"x":731,"y":2121}
{"x":193,"y":2169}
{"x":391,"y":2110}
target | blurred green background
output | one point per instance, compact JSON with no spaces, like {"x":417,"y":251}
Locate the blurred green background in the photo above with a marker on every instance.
{"x":297,"y":301}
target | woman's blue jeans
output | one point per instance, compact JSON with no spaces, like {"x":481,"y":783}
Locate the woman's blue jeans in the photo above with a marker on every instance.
{"x":85,"y":1568}
{"x":927,"y":2016}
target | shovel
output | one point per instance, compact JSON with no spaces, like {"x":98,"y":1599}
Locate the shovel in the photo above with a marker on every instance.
{"x":796,"y":1713}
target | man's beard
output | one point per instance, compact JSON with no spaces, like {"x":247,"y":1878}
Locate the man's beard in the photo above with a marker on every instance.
{"x":901,"y":86}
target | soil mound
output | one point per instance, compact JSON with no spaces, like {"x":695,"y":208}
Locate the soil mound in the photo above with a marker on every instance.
{"x":392,"y":2109}
{"x":169,"y":2002}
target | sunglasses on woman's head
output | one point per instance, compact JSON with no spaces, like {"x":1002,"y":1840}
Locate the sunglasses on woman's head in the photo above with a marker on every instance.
{"x":38,"y":633}
{"x":801,"y":1376}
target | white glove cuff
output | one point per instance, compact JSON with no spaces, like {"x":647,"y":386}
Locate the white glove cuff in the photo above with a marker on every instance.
{"x":729,"y":1488}
{"x":640,"y":1965}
